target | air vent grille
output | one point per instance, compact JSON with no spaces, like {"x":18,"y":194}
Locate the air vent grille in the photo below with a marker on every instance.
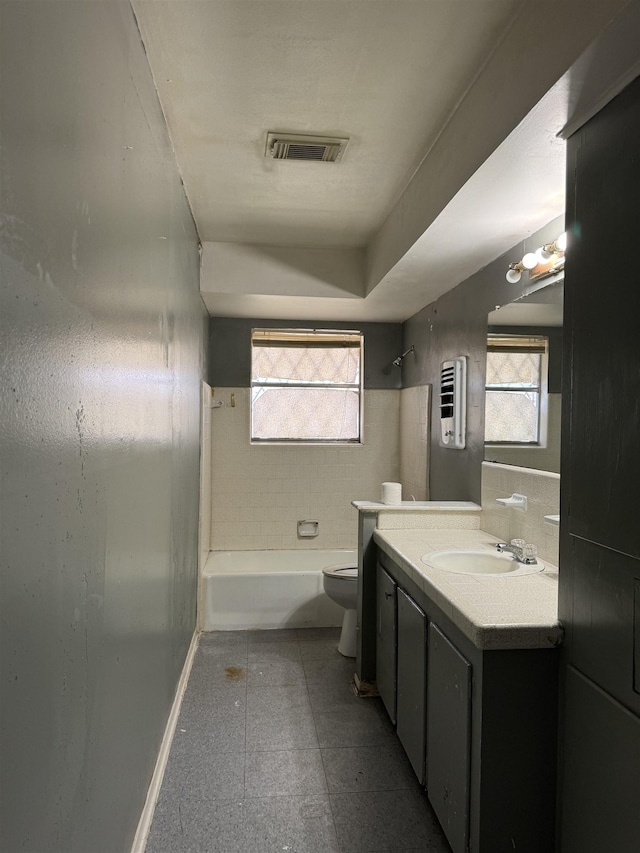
{"x":289,"y":146}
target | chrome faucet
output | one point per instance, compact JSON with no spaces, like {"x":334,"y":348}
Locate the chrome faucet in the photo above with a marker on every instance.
{"x":521,"y":551}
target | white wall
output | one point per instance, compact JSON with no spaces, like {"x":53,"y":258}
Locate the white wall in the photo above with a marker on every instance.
{"x":259,"y":493}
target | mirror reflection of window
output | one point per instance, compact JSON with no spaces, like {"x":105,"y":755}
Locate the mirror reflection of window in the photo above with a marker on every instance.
{"x":515,"y":389}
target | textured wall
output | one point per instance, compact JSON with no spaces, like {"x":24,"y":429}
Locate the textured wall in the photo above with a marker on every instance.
{"x":103,"y":332}
{"x":259,"y":493}
{"x":456,"y":324}
{"x":230,"y":348}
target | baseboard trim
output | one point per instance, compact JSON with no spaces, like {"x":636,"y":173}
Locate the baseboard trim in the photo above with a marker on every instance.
{"x":144,"y":824}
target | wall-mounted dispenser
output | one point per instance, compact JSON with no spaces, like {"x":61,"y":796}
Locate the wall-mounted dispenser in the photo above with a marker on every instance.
{"x":453,"y":402}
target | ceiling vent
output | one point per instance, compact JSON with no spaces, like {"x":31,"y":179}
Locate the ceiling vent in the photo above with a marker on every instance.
{"x":297,"y":146}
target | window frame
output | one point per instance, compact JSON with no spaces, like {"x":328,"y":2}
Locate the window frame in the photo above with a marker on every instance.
{"x":299,"y":337}
{"x":523,"y":343}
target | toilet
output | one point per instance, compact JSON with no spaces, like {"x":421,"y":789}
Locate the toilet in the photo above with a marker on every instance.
{"x":341,"y":585}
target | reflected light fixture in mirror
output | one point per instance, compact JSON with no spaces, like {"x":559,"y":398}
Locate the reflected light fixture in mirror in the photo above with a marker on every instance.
{"x":546,"y":260}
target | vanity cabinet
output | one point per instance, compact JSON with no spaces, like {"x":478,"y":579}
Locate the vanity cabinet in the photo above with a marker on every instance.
{"x":485,"y":720}
{"x":386,"y":640}
{"x":411,"y":681}
{"x":448,"y":737}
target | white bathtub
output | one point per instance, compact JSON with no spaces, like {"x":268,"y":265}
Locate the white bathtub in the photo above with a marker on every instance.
{"x":269,"y":589}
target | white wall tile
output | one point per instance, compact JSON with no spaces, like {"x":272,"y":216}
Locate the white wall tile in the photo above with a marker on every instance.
{"x":414,"y":442}
{"x":260,"y":493}
{"x":542,"y":490}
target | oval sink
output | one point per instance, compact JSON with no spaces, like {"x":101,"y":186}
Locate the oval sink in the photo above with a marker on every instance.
{"x":468,"y":562}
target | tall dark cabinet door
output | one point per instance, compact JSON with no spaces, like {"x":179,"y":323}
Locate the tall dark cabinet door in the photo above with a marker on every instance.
{"x":601,"y":782}
{"x":600,"y":467}
{"x":448,"y":737}
{"x":386,"y":640}
{"x":412,"y":681}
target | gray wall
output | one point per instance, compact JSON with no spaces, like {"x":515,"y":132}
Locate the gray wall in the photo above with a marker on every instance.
{"x":456,"y":324}
{"x":103,"y":337}
{"x":230,"y":349}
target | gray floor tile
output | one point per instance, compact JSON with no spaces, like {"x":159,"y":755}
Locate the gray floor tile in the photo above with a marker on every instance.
{"x":290,"y":730}
{"x":218,"y":642}
{"x":332,"y":697}
{"x":211,"y":698}
{"x":318,"y":634}
{"x":297,"y":824}
{"x":282,"y":635}
{"x":279,"y":651}
{"x":337,"y":670}
{"x":362,"y":725}
{"x":276,"y":700}
{"x":212,"y":734}
{"x":198,"y":826}
{"x":320,"y":649}
{"x":245,"y":774}
{"x":275,"y":674}
{"x":386,"y":821}
{"x":368,"y":768}
{"x":196,"y":774}
{"x":220,"y":669}
{"x":291,"y":772}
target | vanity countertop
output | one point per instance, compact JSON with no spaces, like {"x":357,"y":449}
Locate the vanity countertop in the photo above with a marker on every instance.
{"x":493,"y":612}
{"x":417,"y":506}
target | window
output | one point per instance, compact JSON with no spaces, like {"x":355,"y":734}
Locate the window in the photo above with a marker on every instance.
{"x":515,"y":389}
{"x":306,"y":386}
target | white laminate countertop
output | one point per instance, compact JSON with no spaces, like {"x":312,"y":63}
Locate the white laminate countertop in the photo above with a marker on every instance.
{"x":417,"y":506}
{"x":493,"y":612}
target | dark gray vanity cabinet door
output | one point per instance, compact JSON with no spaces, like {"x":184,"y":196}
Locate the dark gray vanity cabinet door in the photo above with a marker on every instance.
{"x":386,"y":640}
{"x":412,"y":681}
{"x":448,"y":737}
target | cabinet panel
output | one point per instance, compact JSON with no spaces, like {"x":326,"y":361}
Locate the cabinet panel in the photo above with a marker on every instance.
{"x":448,"y":737}
{"x":411,"y":681}
{"x":386,"y":640}
{"x":601,"y":771}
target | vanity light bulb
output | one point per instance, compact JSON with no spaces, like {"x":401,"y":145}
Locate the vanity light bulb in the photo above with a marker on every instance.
{"x":530,"y":261}
{"x":561,"y":242}
{"x":543,"y":255}
{"x":513,"y":276}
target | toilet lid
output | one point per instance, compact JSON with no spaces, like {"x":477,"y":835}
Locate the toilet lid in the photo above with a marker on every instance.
{"x":344,"y":570}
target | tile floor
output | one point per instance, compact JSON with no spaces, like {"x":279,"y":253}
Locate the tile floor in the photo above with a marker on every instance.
{"x":273,"y":752}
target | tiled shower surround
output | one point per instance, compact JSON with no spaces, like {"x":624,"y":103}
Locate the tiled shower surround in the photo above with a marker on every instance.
{"x":542,"y":490}
{"x":259,"y":493}
{"x":414,"y":442}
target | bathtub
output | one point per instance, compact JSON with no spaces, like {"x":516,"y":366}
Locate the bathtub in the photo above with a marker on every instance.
{"x":269,"y":589}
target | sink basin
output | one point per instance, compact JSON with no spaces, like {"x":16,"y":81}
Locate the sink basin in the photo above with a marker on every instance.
{"x":487,"y":563}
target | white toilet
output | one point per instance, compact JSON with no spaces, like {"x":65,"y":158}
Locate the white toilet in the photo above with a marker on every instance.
{"x":341,"y":585}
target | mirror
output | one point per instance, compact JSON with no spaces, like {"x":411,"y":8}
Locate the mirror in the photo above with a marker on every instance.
{"x":536,"y":315}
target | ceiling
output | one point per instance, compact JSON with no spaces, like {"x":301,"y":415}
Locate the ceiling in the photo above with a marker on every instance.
{"x":452,"y":111}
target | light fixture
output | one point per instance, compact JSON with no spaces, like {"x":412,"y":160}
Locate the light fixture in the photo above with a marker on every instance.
{"x":514,"y":273}
{"x":546,"y":260}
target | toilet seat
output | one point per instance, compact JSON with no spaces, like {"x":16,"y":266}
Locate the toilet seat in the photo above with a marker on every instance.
{"x":344,"y":571}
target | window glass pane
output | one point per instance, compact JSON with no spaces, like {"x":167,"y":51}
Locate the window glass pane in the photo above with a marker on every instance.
{"x":511,"y":416}
{"x":306,"y":364}
{"x":513,"y":369}
{"x":305,"y":413}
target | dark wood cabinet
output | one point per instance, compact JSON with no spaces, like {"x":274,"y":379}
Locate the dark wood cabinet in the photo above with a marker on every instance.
{"x":449,"y":737}
{"x":386,"y":640}
{"x":411,"y":691}
{"x":488,"y":726}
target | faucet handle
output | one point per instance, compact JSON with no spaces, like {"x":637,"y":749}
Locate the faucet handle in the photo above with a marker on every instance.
{"x":530,"y":552}
{"x":517,"y":543}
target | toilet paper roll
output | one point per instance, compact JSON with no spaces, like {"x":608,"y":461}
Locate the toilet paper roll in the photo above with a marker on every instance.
{"x":391,"y":493}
